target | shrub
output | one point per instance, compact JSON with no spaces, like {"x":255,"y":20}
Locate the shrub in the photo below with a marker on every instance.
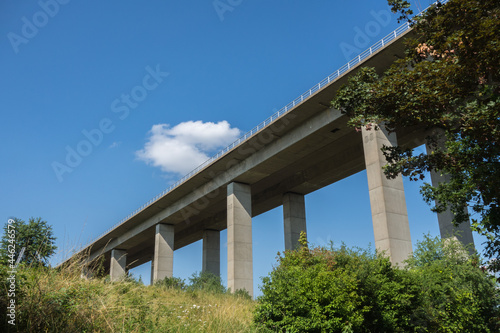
{"x":334,"y":290}
{"x":242,"y":293}
{"x":456,"y":295}
{"x":354,"y":290}
{"x":206,"y":281}
{"x":171,"y":282}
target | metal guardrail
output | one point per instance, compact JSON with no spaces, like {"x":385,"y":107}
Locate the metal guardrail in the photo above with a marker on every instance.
{"x":299,"y":100}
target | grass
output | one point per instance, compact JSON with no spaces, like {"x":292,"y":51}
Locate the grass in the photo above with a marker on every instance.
{"x":50,"y":300}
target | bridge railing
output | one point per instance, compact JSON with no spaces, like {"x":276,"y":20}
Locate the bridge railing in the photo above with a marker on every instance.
{"x":299,"y":100}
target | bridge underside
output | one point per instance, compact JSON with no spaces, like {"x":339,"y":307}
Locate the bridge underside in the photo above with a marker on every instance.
{"x":306,"y":149}
{"x":331,"y":154}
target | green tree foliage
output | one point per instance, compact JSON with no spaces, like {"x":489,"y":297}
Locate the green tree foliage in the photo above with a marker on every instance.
{"x":335,"y":290}
{"x":448,"y":84}
{"x":35,"y":236}
{"x":354,"y":290}
{"x":172,"y":282}
{"x":456,"y":295}
{"x":206,"y":281}
{"x":199,"y":281}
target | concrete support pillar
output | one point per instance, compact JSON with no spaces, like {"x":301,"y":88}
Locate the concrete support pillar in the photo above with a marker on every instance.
{"x":211,"y":252}
{"x":239,"y":238}
{"x":117,"y":270}
{"x":387,"y":198}
{"x":152,"y":270}
{"x":294,"y":219}
{"x":163,"y":260}
{"x":446,"y":227}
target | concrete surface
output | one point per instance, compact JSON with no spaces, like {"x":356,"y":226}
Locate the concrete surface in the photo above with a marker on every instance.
{"x":294,"y":219}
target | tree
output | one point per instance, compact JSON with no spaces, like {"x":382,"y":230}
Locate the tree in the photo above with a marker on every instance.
{"x":456,"y":295}
{"x":35,"y":236}
{"x":447,"y":83}
{"x":441,"y":289}
{"x":335,"y":290}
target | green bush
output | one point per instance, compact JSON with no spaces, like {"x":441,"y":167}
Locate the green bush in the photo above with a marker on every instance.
{"x":206,"y":281}
{"x":456,"y":295}
{"x":354,"y":290}
{"x":171,"y":282}
{"x":242,"y":293}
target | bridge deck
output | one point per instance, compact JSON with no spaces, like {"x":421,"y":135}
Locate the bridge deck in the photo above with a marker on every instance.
{"x":304,"y":150}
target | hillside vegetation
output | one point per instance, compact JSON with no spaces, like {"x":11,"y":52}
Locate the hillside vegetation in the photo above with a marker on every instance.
{"x":50,"y":300}
{"x":313,"y":289}
{"x":439,"y":289}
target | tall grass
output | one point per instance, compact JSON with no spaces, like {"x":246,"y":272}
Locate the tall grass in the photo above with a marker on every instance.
{"x":60,"y":300}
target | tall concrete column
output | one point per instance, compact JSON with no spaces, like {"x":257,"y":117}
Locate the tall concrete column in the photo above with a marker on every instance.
{"x":463,"y":231}
{"x":387,"y":198}
{"x":294,"y":219}
{"x":163,"y":260}
{"x":239,"y":238}
{"x":211,"y":252}
{"x":152,"y":270}
{"x":117,"y":270}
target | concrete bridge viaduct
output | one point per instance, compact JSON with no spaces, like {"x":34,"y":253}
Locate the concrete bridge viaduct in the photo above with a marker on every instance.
{"x":304,"y":147}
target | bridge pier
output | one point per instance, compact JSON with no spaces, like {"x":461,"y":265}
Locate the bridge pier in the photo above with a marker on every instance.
{"x":447,"y":229}
{"x":118,"y":265}
{"x":294,"y":219}
{"x":239,"y":238}
{"x":162,"y":265}
{"x":387,"y":198}
{"x":211,"y":252}
{"x":152,"y":269}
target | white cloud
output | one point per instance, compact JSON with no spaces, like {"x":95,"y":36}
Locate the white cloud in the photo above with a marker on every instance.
{"x":185,"y":146}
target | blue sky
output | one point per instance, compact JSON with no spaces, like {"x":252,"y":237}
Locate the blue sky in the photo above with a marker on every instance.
{"x":135,"y":78}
